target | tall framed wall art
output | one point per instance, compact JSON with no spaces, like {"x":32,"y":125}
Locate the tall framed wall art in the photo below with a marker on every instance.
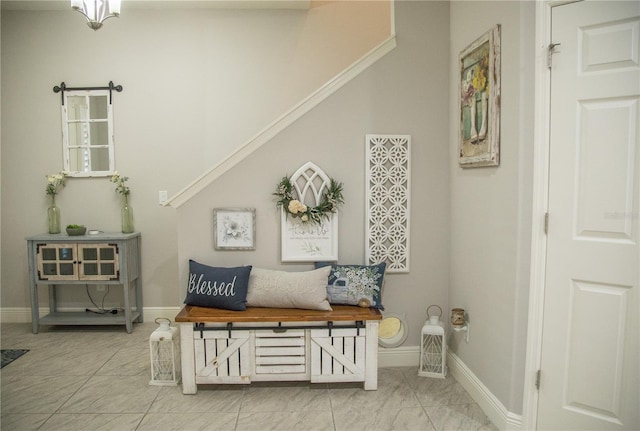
{"x":479,"y":101}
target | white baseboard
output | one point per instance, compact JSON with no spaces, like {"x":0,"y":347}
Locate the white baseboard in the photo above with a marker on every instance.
{"x":405,"y":356}
{"x":15,"y":315}
{"x":23,"y":314}
{"x":492,"y":407}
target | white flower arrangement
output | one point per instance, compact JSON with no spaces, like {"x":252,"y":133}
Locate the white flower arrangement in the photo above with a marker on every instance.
{"x":331,"y":199}
{"x":120,"y":181}
{"x":54,"y":182}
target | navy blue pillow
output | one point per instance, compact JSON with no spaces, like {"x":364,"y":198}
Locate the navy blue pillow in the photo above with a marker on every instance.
{"x":355,"y":284}
{"x":218,"y":287}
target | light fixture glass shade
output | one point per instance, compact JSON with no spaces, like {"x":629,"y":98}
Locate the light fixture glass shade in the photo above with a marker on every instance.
{"x":96,"y":11}
{"x":114,"y":7}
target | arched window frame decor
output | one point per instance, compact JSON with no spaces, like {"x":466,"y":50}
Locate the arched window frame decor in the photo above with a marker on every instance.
{"x":307,"y":241}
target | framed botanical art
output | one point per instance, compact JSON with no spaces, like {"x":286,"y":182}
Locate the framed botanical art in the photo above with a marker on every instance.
{"x":479,"y":107}
{"x":234,"y":228}
{"x":305,"y":242}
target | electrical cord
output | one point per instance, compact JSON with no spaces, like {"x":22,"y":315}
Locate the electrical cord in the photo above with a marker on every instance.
{"x":100,"y":309}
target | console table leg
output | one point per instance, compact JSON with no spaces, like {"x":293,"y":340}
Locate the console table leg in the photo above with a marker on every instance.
{"x":35,"y":312}
{"x":139,"y":300}
{"x":53,"y":299}
{"x":127,"y":306}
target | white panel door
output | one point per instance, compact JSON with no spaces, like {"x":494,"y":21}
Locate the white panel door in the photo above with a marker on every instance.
{"x":590,"y":362}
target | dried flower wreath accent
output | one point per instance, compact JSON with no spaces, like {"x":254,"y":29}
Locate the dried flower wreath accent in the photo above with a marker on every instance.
{"x":331,"y":199}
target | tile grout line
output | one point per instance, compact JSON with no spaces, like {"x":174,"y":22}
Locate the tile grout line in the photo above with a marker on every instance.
{"x":415,"y":394}
{"x":333,"y":414}
{"x":89,"y":377}
{"x":144,"y":415}
{"x":244,"y":394}
{"x":57,"y":411}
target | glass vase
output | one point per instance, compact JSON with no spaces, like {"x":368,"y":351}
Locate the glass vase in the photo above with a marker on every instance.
{"x":53,"y":216}
{"x":126,"y":216}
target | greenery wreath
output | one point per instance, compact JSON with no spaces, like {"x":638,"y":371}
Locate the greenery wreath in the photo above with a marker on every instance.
{"x":331,"y":199}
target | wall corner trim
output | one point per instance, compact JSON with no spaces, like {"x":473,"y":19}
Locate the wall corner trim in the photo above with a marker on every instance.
{"x":283,"y":122}
{"x":490,"y":405}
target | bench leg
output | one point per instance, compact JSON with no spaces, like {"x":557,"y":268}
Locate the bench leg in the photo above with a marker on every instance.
{"x":188,"y":361}
{"x":371,"y":356}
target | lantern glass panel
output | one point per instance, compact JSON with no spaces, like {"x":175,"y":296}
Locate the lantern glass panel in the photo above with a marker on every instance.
{"x":163,"y":361}
{"x":432,"y":353}
{"x":164,"y":345}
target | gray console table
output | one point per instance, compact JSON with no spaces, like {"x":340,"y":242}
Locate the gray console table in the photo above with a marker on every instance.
{"x":60,"y":261}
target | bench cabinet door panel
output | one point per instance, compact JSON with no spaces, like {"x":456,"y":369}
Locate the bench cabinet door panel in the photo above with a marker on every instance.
{"x":222,"y":357}
{"x":339,"y":357}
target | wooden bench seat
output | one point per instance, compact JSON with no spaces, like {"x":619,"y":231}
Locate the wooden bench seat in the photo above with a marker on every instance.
{"x":191,"y":313}
{"x":278,"y":344}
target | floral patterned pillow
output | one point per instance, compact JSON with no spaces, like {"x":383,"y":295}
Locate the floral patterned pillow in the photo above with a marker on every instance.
{"x":355,"y":284}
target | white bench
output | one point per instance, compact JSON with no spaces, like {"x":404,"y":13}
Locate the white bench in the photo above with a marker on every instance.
{"x":278,"y":344}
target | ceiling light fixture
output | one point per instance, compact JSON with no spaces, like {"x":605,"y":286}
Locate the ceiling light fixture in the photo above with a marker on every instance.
{"x":96,"y":11}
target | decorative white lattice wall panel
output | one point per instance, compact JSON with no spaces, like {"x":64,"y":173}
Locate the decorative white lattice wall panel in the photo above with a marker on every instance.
{"x":388,"y":200}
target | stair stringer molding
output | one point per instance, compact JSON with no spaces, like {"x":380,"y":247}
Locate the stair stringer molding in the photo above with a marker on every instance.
{"x":284,"y":121}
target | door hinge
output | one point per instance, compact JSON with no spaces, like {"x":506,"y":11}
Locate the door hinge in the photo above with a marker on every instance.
{"x":546,"y":223}
{"x":551,"y":49}
{"x":538,"y":379}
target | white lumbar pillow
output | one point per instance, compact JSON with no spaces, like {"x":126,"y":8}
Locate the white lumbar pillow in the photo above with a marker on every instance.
{"x":283,"y":289}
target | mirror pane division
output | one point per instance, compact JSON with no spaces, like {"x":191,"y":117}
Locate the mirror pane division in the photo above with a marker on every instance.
{"x":88,"y":147}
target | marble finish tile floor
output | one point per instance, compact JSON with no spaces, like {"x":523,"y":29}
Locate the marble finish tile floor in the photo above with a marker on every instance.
{"x":96,"y":378}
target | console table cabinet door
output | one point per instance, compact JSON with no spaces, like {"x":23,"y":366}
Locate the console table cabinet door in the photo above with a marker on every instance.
{"x":98,"y":262}
{"x":59,"y":262}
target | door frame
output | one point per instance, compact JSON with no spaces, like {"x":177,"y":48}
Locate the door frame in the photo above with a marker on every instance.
{"x":541,"y":151}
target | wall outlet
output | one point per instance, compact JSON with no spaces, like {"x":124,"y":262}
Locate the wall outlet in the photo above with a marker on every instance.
{"x":162,"y":197}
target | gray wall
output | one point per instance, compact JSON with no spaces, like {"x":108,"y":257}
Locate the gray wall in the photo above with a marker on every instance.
{"x":405,"y":92}
{"x":470,"y":228}
{"x":491,"y":208}
{"x":197,"y":84}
